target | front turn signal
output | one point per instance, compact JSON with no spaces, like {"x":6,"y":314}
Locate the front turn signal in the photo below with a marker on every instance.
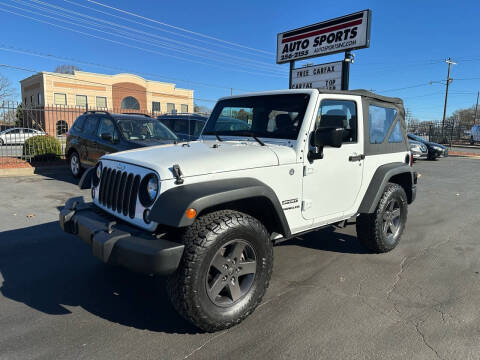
{"x":191,"y":213}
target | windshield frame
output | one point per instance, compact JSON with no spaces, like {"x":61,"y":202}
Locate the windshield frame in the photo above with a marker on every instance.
{"x":249,"y":102}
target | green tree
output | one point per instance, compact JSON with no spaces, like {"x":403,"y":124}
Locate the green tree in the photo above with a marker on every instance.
{"x":19,"y":116}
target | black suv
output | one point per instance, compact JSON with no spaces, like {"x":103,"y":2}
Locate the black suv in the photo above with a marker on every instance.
{"x":96,"y":133}
{"x":189,"y":126}
{"x":186,"y":126}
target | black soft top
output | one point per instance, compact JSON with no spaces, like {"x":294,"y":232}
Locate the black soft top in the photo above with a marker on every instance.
{"x":364,"y":93}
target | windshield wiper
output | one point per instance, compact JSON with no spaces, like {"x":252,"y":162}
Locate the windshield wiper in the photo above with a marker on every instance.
{"x":248,"y":133}
{"x":215,"y":134}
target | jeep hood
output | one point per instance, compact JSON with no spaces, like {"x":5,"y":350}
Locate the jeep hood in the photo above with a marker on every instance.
{"x":203,"y":157}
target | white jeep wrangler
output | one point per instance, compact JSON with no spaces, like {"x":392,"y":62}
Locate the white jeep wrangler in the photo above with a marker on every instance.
{"x":268,"y":167}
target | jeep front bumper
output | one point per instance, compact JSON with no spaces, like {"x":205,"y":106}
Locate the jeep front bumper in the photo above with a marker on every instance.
{"x":118,"y":243}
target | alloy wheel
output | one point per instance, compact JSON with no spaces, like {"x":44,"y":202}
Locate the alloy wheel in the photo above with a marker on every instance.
{"x":231,"y":273}
{"x":391,"y":221}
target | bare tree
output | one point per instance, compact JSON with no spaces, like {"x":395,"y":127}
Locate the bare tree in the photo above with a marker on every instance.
{"x":6,"y":90}
{"x":66,"y":69}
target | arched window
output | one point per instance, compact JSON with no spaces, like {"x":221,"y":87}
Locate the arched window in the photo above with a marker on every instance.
{"x":130,"y":103}
{"x":62,"y":127}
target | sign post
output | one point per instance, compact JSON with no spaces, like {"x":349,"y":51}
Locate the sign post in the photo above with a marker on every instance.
{"x":342,"y":34}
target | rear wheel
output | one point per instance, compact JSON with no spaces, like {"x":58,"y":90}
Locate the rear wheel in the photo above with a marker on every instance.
{"x":2,"y":142}
{"x":224,"y":272}
{"x":381,"y":231}
{"x":75,"y":165}
{"x":472,"y":142}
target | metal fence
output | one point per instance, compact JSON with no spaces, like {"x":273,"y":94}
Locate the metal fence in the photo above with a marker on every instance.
{"x":48,"y":124}
{"x":450,"y":134}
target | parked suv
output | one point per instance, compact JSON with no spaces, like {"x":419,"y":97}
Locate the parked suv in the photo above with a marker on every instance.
{"x":185,"y":126}
{"x":206,"y":213}
{"x":475,"y":134}
{"x":96,"y":133}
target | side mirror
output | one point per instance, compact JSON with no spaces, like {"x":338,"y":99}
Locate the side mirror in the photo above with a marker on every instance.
{"x":107,"y":137}
{"x":324,"y":136}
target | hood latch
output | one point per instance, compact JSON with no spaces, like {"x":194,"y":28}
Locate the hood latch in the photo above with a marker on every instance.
{"x":178,"y":174}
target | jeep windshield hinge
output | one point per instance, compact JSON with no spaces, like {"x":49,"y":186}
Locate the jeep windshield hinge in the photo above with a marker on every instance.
{"x":178,"y":174}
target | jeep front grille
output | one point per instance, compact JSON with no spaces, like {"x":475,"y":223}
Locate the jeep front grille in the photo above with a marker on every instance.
{"x":119,"y":190}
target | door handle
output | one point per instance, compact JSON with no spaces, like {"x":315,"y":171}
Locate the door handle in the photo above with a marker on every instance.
{"x":356,"y":157}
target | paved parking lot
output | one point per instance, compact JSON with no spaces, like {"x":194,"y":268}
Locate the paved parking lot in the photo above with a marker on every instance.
{"x":327,"y":299}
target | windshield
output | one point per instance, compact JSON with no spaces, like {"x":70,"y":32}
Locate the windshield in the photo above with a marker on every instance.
{"x":415,"y":137}
{"x":269,"y":116}
{"x":142,"y":129}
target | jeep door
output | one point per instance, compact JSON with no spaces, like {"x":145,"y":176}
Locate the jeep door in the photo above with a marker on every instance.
{"x":332,"y":184}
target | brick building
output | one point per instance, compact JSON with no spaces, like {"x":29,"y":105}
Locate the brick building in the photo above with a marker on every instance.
{"x":52,"y":101}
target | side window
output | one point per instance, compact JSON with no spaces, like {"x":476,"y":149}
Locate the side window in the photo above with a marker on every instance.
{"x":180,"y":126}
{"x":380,"y":120}
{"x":396,"y":135}
{"x":198,"y":128}
{"x":15,"y":131}
{"x":333,"y":113}
{"x":78,"y":124}
{"x":107,"y":126}
{"x":90,"y":125}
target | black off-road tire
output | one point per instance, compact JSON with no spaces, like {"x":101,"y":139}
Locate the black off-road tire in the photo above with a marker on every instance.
{"x":187,"y":287}
{"x":370,"y":227}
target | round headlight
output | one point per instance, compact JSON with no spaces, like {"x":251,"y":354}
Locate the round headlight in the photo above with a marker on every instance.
{"x":97,"y":175}
{"x":152,"y":187}
{"x":149,"y":188}
{"x":99,"y":170}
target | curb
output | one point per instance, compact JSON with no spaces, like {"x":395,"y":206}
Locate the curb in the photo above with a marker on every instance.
{"x":31,"y":171}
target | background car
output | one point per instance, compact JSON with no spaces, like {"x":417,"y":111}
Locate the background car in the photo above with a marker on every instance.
{"x":475,"y":134}
{"x":186,"y":126}
{"x":434,"y":150}
{"x":96,"y":133}
{"x":18,"y":135}
{"x":418,"y":149}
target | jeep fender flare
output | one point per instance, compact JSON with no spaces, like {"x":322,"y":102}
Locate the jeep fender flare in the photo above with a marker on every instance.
{"x":169,"y":209}
{"x":380,"y":179}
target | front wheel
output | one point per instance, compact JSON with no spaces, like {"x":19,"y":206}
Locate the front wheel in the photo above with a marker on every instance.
{"x":75,"y":165}
{"x":381,"y":231}
{"x":2,"y":142}
{"x":224,"y":272}
{"x":472,"y":142}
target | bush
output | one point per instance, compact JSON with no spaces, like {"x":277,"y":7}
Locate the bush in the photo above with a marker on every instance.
{"x":42,"y":147}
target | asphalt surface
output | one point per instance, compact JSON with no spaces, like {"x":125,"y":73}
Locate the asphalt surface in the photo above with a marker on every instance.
{"x":328,"y":298}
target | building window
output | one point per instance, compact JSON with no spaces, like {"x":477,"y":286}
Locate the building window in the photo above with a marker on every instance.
{"x":25,"y":100}
{"x":31,"y":99}
{"x":156,"y":106}
{"x":170,"y":108}
{"x":60,"y":99}
{"x":130,"y":103}
{"x":81,"y":100}
{"x":39,"y":98}
{"x":101,"y":102}
{"x":184,"y":108}
{"x":62,"y":127}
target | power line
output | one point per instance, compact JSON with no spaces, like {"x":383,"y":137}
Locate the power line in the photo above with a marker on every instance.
{"x":165,"y":30}
{"x":136,"y":47}
{"x":262,"y":64}
{"x":50,"y":56}
{"x":263,"y":71}
{"x":180,"y":29}
{"x":95,"y":82}
{"x":406,"y":87}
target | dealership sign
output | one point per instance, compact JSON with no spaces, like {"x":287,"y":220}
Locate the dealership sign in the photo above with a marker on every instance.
{"x":337,"y":35}
{"x":325,"y":76}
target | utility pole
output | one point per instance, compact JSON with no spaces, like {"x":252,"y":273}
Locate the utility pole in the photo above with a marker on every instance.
{"x":449,"y":62}
{"x":476,"y":109}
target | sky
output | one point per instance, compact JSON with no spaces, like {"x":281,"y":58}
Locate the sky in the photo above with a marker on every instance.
{"x":223,"y":47}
